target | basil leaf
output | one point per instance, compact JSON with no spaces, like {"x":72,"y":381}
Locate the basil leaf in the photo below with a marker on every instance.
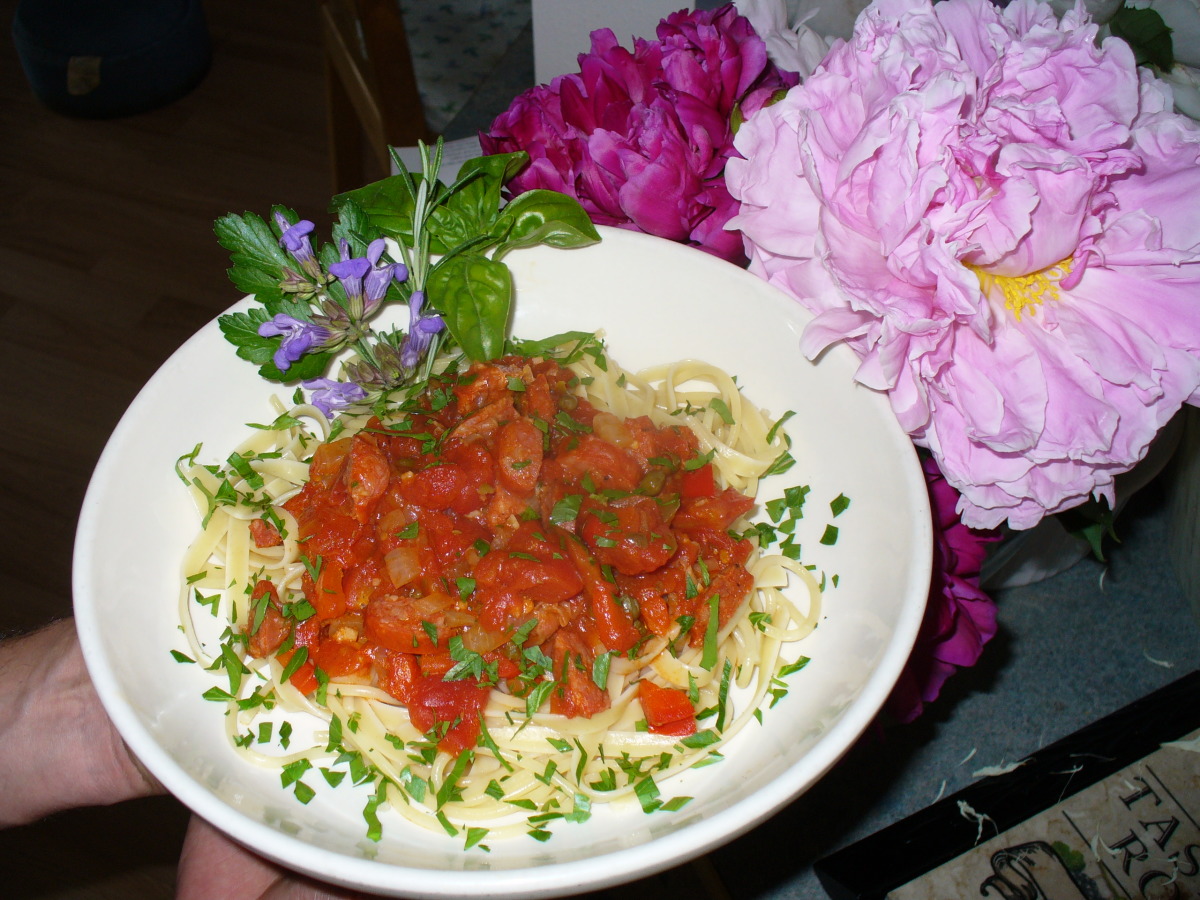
{"x":474,"y":295}
{"x":543,"y":217}
{"x":470,"y":207}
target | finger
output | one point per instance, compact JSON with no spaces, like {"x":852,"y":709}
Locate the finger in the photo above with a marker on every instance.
{"x":211,"y":865}
{"x":299,"y":888}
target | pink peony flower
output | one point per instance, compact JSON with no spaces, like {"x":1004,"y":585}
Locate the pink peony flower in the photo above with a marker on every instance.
{"x":960,"y":618}
{"x":998,"y":216}
{"x":641,"y":138}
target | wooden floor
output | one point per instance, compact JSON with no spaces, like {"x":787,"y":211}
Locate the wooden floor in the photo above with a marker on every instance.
{"x":109,"y":260}
{"x":107,"y":264}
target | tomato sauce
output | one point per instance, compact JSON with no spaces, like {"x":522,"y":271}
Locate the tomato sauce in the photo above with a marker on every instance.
{"x":497,"y":513}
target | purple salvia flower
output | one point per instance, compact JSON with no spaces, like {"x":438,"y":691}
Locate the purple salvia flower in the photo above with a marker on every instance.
{"x":294,"y":240}
{"x":330,"y":396}
{"x":298,"y":338}
{"x":420,"y":331}
{"x":364,"y":279}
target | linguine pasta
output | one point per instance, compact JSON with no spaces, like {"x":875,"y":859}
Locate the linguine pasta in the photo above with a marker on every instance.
{"x":530,"y":767}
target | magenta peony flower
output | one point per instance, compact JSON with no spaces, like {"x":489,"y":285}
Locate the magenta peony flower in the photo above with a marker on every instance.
{"x":960,"y":618}
{"x":641,"y":138}
{"x":998,"y":216}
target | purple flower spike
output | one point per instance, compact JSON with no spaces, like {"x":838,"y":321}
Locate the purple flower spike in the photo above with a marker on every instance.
{"x":420,"y":332}
{"x":364,"y":279}
{"x":330,"y":396}
{"x":298,"y":338}
{"x":295,"y":241}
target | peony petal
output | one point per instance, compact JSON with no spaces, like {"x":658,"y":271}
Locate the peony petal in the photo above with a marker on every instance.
{"x":641,"y":137}
{"x":998,"y":221}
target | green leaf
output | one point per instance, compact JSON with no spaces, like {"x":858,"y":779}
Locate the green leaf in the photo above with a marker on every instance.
{"x":241,"y":330}
{"x":294,"y":663}
{"x":600,"y":669}
{"x":254,"y":250}
{"x":546,"y":346}
{"x":471,"y":206}
{"x":371,"y":812}
{"x":449,"y":789}
{"x":566,"y":510}
{"x":1092,"y":521}
{"x":544,"y":217}
{"x":386,"y":204}
{"x":700,"y":739}
{"x":708,"y":657}
{"x":474,"y":295}
{"x":475,"y":834}
{"x":647,"y":793}
{"x":354,"y":226}
{"x":1147,"y":34}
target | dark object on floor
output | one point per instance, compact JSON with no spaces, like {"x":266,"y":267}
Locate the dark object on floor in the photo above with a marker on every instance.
{"x":106,"y":58}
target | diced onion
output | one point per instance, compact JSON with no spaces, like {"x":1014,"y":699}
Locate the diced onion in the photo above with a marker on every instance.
{"x":431,"y":604}
{"x":403,"y":565}
{"x":611,"y":428}
{"x":481,"y":640}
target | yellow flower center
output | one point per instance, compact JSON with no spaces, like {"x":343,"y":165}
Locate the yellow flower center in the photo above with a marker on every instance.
{"x":1021,"y":291}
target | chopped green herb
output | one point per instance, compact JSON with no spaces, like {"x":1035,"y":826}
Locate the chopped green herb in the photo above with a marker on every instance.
{"x":600,"y":669}
{"x":721,"y":408}
{"x":449,"y":789}
{"x":708,"y":657}
{"x":700,"y":739}
{"x":778,"y":425}
{"x":494,"y":790}
{"x":475,"y":834}
{"x":699,"y":462}
{"x":371,"y":811}
{"x":332,"y":778}
{"x":294,"y":771}
{"x":299,"y":658}
{"x":647,"y":793}
{"x":212,"y":602}
{"x":445,"y":823}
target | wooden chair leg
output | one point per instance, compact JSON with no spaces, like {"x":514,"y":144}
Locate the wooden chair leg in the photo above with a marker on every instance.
{"x":373,"y":97}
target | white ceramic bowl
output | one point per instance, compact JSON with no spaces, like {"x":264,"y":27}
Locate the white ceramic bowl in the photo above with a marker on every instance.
{"x":657,"y":301}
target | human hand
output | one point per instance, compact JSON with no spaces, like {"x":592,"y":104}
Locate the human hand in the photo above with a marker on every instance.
{"x":63,"y":752}
{"x":214,"y":866}
{"x":61,"y":749}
